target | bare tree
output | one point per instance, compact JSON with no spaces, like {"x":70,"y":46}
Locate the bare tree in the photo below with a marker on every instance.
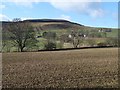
{"x":76,"y":38}
{"x":21,"y":33}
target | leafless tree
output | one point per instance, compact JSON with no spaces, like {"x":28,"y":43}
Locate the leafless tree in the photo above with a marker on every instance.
{"x":76,"y":38}
{"x":21,"y":33}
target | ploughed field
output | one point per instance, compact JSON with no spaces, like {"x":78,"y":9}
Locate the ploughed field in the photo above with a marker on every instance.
{"x":83,"y":68}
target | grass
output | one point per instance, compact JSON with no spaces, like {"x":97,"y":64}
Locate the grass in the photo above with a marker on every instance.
{"x":84,"y":68}
{"x":114,"y":33}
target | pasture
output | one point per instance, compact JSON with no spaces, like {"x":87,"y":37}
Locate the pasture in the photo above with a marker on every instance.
{"x":85,"y":68}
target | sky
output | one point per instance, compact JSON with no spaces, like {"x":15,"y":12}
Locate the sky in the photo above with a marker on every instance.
{"x":94,"y":13}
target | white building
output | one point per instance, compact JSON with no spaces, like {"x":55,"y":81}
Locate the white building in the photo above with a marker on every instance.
{"x":70,"y":36}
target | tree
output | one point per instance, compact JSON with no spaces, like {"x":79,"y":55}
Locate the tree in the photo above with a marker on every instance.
{"x":50,"y":45}
{"x":7,"y":43}
{"x":76,"y":38}
{"x":21,"y":33}
{"x":65,"y":38}
{"x":51,"y":40}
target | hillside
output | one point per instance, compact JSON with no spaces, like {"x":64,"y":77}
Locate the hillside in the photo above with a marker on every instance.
{"x":50,"y":23}
{"x":61,"y":33}
{"x":47,"y":24}
{"x":59,"y":25}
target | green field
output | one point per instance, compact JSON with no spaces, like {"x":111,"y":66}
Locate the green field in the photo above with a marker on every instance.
{"x":83,"y":68}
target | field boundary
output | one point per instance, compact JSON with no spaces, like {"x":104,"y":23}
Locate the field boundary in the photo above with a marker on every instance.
{"x":65,"y":49}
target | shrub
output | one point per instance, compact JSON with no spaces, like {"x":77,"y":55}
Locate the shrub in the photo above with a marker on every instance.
{"x":50,"y":46}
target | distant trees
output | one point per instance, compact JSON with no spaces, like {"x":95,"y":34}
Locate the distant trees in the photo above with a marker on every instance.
{"x":21,"y":33}
{"x":76,"y":37}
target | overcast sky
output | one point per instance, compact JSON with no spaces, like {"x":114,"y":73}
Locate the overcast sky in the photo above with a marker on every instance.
{"x":90,"y":13}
